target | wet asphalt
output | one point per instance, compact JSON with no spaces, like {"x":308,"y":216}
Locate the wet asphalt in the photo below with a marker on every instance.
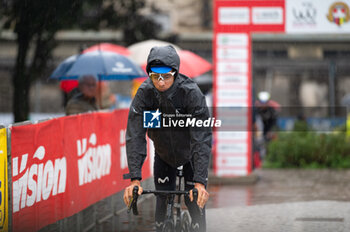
{"x":279,"y":200}
{"x":283,"y":200}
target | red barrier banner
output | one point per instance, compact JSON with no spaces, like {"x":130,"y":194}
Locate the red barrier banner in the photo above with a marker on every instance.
{"x":61,"y":166}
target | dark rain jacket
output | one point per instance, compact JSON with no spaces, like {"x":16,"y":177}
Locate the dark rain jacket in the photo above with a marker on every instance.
{"x":175,"y":146}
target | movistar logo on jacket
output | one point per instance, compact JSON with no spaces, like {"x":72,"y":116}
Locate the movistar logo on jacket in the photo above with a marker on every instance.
{"x":153,"y":119}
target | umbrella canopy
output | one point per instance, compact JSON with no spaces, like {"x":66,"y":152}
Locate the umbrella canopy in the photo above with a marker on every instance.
{"x":108,"y":47}
{"x":139,"y":51}
{"x":193,"y":65}
{"x":105,"y":65}
{"x":63,"y":67}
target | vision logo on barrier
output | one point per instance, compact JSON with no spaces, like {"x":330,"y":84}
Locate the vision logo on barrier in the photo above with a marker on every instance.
{"x":151,"y":119}
{"x":95,"y":160}
{"x":42,"y":179}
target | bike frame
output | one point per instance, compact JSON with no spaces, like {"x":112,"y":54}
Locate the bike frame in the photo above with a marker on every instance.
{"x":171,"y":205}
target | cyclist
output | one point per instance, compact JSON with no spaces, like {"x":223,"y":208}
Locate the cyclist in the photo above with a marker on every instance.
{"x":267,"y":110}
{"x":169,"y":91}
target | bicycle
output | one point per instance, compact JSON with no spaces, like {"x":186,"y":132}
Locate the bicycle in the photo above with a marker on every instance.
{"x":180,"y":221}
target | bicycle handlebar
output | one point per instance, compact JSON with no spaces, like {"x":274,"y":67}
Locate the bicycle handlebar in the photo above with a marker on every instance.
{"x":165,"y":192}
{"x":133,"y":201}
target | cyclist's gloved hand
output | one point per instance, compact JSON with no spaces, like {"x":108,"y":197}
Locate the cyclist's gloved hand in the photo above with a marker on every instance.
{"x":203,"y":195}
{"x":129,"y":189}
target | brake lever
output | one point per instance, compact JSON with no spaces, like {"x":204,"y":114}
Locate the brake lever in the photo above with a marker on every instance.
{"x":195,"y":198}
{"x":133,"y":201}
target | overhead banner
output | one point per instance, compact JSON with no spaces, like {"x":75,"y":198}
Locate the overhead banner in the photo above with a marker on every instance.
{"x":61,"y":166}
{"x":4,"y":213}
{"x":315,"y":16}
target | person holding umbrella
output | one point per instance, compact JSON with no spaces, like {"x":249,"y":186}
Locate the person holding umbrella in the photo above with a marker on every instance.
{"x":168,"y":91}
{"x":105,"y":65}
{"x":85,"y":99}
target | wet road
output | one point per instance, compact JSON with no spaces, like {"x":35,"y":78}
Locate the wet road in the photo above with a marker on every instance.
{"x":274,"y":191}
{"x":281,"y":186}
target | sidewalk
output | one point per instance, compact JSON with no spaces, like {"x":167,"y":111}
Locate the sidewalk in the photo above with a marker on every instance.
{"x":316,"y":216}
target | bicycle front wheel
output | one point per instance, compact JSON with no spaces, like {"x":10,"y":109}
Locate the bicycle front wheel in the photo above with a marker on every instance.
{"x":168,"y":226}
{"x":185,"y":221}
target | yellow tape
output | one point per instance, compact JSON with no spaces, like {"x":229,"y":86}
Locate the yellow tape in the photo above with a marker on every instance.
{"x":3,"y":182}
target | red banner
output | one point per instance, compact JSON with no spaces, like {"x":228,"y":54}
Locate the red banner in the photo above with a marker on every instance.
{"x":234,"y":21}
{"x":61,"y":166}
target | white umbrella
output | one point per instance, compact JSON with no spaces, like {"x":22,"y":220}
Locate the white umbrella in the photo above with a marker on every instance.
{"x":141,"y":50}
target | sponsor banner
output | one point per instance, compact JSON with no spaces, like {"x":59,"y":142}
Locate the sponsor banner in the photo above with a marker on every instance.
{"x":4,"y":213}
{"x":239,"y":94}
{"x":222,"y":171}
{"x":61,"y":166}
{"x":234,"y":21}
{"x":232,"y":67}
{"x":232,"y":39}
{"x":230,"y":103}
{"x":249,"y":16}
{"x":233,"y":124}
{"x":232,"y":135}
{"x":267,"y":15}
{"x":232,"y":96}
{"x":233,"y":161}
{"x":232,"y":53}
{"x":234,"y":15}
{"x":232,"y":148}
{"x":231,"y":79}
{"x":314,"y":16}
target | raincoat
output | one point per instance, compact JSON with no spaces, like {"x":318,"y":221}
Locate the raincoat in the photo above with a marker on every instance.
{"x":175,"y":146}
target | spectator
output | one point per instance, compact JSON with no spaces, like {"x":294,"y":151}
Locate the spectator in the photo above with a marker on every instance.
{"x":85,"y":99}
{"x":267,"y":111}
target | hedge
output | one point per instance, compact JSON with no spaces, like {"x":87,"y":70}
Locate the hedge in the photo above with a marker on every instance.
{"x":308,"y":149}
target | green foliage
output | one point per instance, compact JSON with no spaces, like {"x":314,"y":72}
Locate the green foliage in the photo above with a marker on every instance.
{"x":308,"y":149}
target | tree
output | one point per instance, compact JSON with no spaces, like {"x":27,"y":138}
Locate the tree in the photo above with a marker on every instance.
{"x":36,"y":22}
{"x":135,"y":26}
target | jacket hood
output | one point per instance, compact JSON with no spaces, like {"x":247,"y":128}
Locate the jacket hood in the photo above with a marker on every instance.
{"x":165,"y":55}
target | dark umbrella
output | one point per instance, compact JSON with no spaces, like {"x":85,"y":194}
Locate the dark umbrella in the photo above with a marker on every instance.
{"x":105,"y":65}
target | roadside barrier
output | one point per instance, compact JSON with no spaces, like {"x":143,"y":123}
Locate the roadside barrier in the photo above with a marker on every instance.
{"x":65,"y":174}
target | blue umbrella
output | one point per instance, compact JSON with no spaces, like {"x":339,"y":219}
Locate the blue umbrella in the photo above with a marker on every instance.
{"x":105,"y":65}
{"x":63,"y":67}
